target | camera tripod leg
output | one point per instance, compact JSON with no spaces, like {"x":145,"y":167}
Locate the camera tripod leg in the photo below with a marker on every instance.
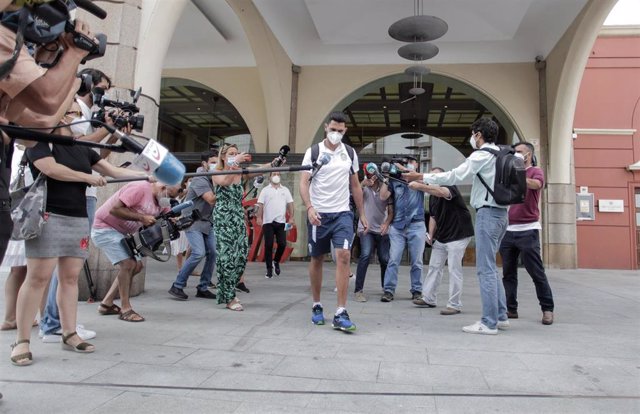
{"x":93,"y":292}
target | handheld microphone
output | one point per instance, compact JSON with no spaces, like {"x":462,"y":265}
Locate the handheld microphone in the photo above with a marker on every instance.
{"x":153,"y":158}
{"x":372,"y":168}
{"x":385,"y":167}
{"x":282,"y":155}
{"x":177,"y":209}
{"x":258,"y":182}
{"x":323,"y":160}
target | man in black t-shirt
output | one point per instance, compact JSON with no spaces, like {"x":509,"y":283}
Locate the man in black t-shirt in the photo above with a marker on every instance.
{"x":451,"y":229}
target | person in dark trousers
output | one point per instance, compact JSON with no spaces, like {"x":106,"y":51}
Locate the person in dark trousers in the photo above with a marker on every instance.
{"x":523,"y":239}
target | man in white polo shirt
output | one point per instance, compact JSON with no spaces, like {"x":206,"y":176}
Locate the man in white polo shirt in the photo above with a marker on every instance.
{"x":325,"y":193}
{"x":274,"y":203}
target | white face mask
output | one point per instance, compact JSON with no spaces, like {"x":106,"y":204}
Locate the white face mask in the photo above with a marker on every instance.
{"x":212,"y":166}
{"x":334,"y":137}
{"x":164,"y":201}
{"x":275,"y":179}
{"x":80,"y":129}
{"x":231,"y":161}
{"x":473,"y":142}
{"x":411,"y":167}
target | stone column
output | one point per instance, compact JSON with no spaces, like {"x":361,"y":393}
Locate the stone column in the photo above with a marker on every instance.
{"x":139,"y":33}
{"x":565,"y":66}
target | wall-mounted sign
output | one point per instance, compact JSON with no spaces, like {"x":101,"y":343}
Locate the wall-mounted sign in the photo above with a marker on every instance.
{"x":611,"y":206}
{"x":585,"y":207}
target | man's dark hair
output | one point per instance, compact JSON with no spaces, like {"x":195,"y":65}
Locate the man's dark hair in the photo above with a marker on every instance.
{"x":338,"y":117}
{"x":96,"y":76}
{"x":437,"y":168}
{"x":205,"y":155}
{"x":487,"y":128}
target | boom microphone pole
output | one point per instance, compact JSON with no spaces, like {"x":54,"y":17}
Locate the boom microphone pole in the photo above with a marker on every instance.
{"x":291,"y":168}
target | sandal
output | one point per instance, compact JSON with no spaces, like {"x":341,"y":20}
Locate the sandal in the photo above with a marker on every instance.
{"x":109,"y":310}
{"x":235,"y":305}
{"x":82,"y":347}
{"x":23,"y":359}
{"x":131,"y":316}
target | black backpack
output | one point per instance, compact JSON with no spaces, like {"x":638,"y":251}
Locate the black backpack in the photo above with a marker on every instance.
{"x":315,"y":152}
{"x":510,"y":184}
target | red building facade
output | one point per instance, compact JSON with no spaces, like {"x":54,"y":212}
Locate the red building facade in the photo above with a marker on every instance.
{"x":607,"y":152}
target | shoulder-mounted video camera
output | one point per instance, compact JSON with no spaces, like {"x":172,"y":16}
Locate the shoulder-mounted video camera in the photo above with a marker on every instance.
{"x":123,"y":113}
{"x":43,"y":21}
{"x":148,"y":240}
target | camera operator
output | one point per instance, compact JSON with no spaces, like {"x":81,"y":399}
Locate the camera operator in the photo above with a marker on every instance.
{"x":133,"y":206}
{"x":33,"y":96}
{"x":407,"y":229}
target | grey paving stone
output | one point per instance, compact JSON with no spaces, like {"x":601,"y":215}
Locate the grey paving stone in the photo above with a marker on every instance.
{"x":431,"y":376}
{"x":236,"y":361}
{"x":470,"y":405}
{"x":327,"y":368}
{"x":140,"y":403}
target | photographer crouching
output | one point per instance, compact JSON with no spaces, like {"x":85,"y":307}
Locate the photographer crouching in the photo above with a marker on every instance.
{"x":135,"y":205}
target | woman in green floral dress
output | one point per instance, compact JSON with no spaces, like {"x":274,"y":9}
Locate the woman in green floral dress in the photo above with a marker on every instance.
{"x":231,"y":233}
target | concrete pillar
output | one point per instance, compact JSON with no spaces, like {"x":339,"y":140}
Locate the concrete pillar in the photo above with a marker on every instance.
{"x":139,"y":33}
{"x":275,"y":72}
{"x":565,"y":67}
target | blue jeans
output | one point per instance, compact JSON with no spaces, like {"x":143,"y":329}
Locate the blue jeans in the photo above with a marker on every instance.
{"x":201,"y":245}
{"x":413,"y":236}
{"x":490,"y":227}
{"x":367,"y":243}
{"x":50,"y":321}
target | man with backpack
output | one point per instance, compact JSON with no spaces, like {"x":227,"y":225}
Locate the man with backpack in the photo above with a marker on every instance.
{"x":491,"y":220}
{"x":325,"y":193}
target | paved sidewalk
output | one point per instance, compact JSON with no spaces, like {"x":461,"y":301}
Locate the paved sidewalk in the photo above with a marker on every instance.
{"x":196,"y":356}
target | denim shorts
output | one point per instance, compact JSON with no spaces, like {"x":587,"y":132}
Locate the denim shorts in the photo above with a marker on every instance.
{"x":336,"y":228}
{"x":109,"y":241}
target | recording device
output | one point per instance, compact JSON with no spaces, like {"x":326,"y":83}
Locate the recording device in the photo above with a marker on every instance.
{"x":42,"y":23}
{"x":123,"y":113}
{"x":322,"y":160}
{"x":258,"y":182}
{"x":282,"y":156}
{"x":147,"y":240}
{"x":372,"y":169}
{"x":153,"y":158}
{"x":391,"y":170}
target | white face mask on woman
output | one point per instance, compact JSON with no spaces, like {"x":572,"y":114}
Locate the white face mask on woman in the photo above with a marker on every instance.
{"x":164,"y":201}
{"x":231,"y":161}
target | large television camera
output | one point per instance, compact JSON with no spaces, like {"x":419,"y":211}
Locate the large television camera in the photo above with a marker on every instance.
{"x":148,"y":240}
{"x":123,"y":113}
{"x":42,"y":23}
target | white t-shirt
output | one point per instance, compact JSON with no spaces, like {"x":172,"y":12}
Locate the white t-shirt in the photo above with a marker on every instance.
{"x":82,"y":129}
{"x":274,"y":201}
{"x":329,"y":188}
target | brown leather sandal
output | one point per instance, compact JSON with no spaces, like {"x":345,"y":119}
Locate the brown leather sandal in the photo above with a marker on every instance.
{"x":131,"y":316}
{"x":23,"y":359}
{"x":109,"y":310}
{"x":82,"y":347}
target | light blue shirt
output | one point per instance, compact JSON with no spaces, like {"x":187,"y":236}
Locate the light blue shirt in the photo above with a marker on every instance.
{"x":479,"y":162}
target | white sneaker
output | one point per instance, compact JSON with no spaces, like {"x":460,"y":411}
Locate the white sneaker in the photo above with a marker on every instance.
{"x":503,"y":325}
{"x":480,"y":328}
{"x":84,"y":334}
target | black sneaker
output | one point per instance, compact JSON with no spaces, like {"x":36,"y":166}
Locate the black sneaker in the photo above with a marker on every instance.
{"x":269,"y":274}
{"x":242,"y":287}
{"x":205,"y":294}
{"x":386,"y":297}
{"x":416,"y":295}
{"x":276,"y":266}
{"x":178,"y":293}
